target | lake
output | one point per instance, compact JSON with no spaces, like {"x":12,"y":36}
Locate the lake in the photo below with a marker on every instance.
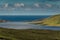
{"x":25,"y":25}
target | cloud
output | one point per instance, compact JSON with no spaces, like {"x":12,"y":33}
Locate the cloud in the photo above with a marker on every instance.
{"x":49,"y":5}
{"x":19,"y":4}
{"x":37,"y":5}
{"x":6,"y":5}
{"x":22,"y":4}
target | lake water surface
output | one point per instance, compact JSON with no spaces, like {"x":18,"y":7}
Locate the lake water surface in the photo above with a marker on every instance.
{"x":25,"y":25}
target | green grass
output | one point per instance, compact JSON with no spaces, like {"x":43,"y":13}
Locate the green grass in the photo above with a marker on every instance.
{"x":50,"y":21}
{"x":29,"y":34}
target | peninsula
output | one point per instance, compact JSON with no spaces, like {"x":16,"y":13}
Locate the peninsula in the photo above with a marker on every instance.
{"x":50,"y":21}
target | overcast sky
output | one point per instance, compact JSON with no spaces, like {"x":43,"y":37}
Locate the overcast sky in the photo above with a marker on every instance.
{"x":29,"y":7}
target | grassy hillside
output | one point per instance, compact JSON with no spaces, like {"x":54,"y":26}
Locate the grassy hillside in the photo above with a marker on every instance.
{"x":50,"y":21}
{"x":12,"y":34}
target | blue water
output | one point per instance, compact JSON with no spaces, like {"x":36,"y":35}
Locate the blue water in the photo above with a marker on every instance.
{"x":23,"y":18}
{"x":25,"y":25}
{"x":22,"y":24}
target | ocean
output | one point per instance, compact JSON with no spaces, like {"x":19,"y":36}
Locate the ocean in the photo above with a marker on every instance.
{"x":20,"y":22}
{"x":23,"y":18}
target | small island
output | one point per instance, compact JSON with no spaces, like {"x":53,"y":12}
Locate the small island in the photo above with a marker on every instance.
{"x":50,"y":21}
{"x":3,"y":21}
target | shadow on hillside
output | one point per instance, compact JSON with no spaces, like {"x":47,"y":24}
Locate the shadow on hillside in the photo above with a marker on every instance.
{"x":2,"y":38}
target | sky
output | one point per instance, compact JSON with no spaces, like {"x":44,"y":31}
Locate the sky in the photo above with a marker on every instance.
{"x":29,"y":7}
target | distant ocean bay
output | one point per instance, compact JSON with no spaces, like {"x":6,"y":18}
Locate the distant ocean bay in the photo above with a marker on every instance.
{"x":18,"y":22}
{"x":23,"y":18}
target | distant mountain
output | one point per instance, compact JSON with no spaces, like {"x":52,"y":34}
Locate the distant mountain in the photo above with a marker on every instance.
{"x":50,"y":21}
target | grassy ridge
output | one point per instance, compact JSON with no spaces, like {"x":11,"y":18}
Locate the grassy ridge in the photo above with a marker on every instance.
{"x":50,"y":21}
{"x":12,"y":34}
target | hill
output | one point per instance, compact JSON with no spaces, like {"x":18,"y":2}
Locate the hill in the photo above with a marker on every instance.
{"x":28,"y":34}
{"x":50,"y":21}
